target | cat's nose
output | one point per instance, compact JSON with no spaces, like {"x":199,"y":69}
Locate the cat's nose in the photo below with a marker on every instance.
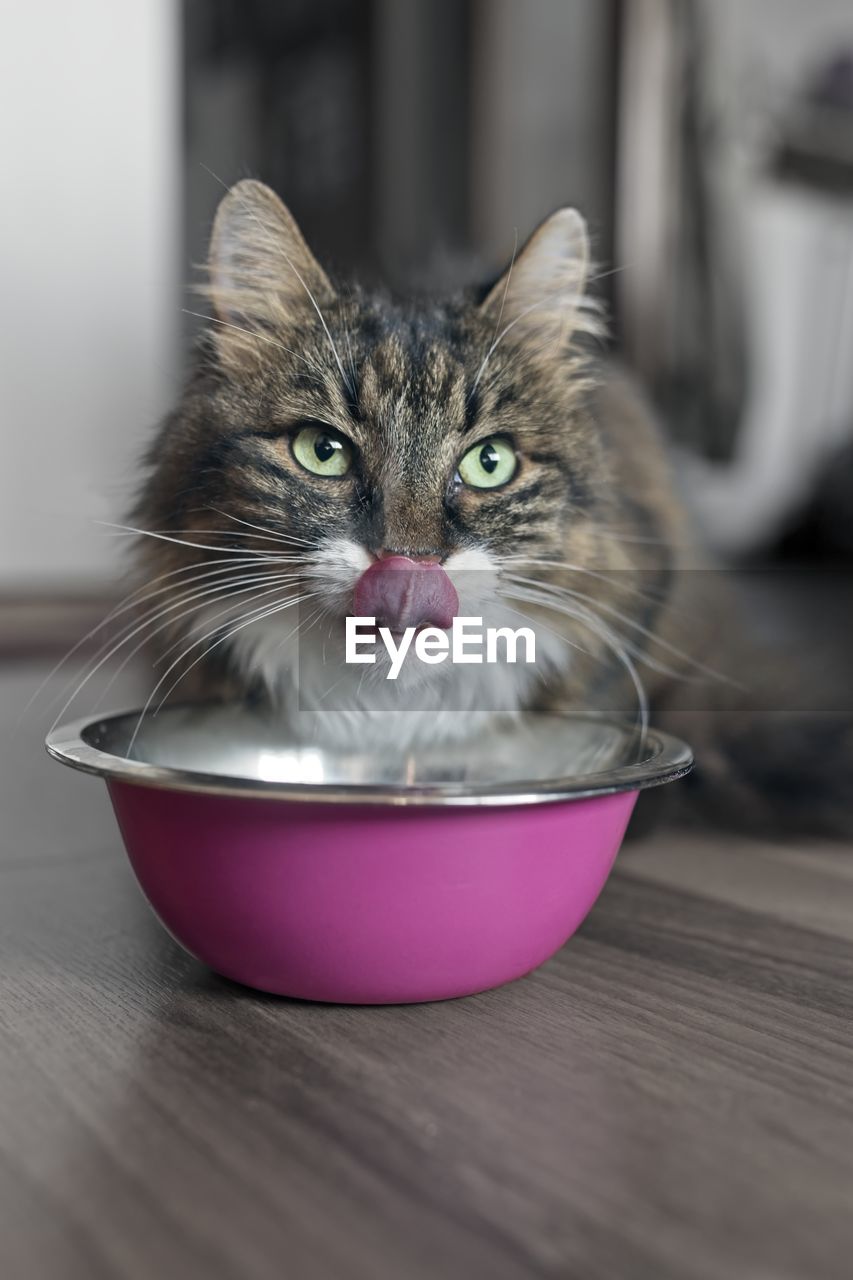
{"x":400,"y":591}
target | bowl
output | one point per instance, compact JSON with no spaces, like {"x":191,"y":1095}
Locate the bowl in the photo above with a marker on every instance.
{"x":374,"y":877}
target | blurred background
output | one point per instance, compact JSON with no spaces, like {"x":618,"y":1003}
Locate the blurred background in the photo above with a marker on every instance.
{"x":709,"y":143}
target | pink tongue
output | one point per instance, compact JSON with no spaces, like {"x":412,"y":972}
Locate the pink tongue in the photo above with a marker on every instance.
{"x":399,"y":593}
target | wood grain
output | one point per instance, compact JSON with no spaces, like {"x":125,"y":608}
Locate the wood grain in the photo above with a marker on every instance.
{"x":670,"y":1097}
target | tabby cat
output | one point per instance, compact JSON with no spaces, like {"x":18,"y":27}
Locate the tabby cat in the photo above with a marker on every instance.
{"x":482,"y":436}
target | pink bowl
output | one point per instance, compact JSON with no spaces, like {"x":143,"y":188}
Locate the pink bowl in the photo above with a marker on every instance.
{"x":356,"y":888}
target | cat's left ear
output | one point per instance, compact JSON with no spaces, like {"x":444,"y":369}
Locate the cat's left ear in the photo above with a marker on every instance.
{"x":262,"y":275}
{"x":541,"y":294}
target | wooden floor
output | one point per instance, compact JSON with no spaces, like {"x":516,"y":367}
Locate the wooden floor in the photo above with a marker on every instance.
{"x":671,"y":1096}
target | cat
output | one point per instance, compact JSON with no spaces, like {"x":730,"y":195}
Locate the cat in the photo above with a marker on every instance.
{"x":325,"y":429}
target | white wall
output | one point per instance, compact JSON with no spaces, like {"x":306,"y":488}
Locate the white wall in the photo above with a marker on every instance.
{"x":89,"y":252}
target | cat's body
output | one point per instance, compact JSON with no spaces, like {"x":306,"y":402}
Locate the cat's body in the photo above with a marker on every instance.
{"x":323,"y":429}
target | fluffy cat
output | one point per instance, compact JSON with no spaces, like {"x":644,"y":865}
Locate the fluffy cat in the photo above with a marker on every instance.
{"x":324,"y":427}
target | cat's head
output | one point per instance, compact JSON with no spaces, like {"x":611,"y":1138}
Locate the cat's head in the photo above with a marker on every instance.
{"x":326,"y":428}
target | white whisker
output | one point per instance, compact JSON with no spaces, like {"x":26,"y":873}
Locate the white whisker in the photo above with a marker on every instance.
{"x":252,"y":333}
{"x":230,"y":592}
{"x":113,"y":648}
{"x":131,"y":601}
{"x":610,"y":609}
{"x":277,"y":580}
{"x":598,"y":627}
{"x":599,"y":575}
{"x":256,"y":616}
{"x":268,"y":532}
{"x":183,"y":542}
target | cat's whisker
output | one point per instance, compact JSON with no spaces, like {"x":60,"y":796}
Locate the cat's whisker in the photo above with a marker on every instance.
{"x":619,"y":650}
{"x":252,"y":333}
{"x":129,"y":530}
{"x":224,"y":580}
{"x":599,"y":575}
{"x":277,"y":580}
{"x":605,"y":633}
{"x":610,"y":609}
{"x":331,"y":689}
{"x":585,"y":601}
{"x":230,"y":534}
{"x":633,"y":650}
{"x":282,"y":530}
{"x":303,"y":622}
{"x":133,"y":600}
{"x":207,"y":565}
{"x":128,"y":633}
{"x":256,"y":616}
{"x":198,"y":571}
{"x":558,"y":635}
{"x":264,"y":529}
{"x":188,"y":606}
{"x":258,"y":595}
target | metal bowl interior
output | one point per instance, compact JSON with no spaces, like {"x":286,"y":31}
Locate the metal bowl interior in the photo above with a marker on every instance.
{"x":236,"y":750}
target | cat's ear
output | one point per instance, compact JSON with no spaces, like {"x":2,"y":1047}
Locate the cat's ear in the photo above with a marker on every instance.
{"x":261,"y":274}
{"x":541,"y":294}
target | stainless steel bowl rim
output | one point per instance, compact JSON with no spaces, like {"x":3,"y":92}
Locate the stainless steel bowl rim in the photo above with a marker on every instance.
{"x":667,"y":759}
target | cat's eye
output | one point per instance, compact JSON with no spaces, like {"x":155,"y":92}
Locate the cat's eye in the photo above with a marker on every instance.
{"x":322,"y":450}
{"x":489,"y":464}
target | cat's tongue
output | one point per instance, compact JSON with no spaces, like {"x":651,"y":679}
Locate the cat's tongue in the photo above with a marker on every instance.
{"x":399,"y":593}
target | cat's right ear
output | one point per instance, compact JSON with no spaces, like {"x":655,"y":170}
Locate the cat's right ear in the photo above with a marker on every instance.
{"x":543,"y":290}
{"x":262,"y":275}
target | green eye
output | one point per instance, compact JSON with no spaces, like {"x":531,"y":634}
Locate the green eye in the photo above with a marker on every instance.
{"x":489,"y":464}
{"x":322,"y":451}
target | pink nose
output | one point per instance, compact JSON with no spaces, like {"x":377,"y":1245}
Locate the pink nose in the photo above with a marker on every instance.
{"x":399,"y":593}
